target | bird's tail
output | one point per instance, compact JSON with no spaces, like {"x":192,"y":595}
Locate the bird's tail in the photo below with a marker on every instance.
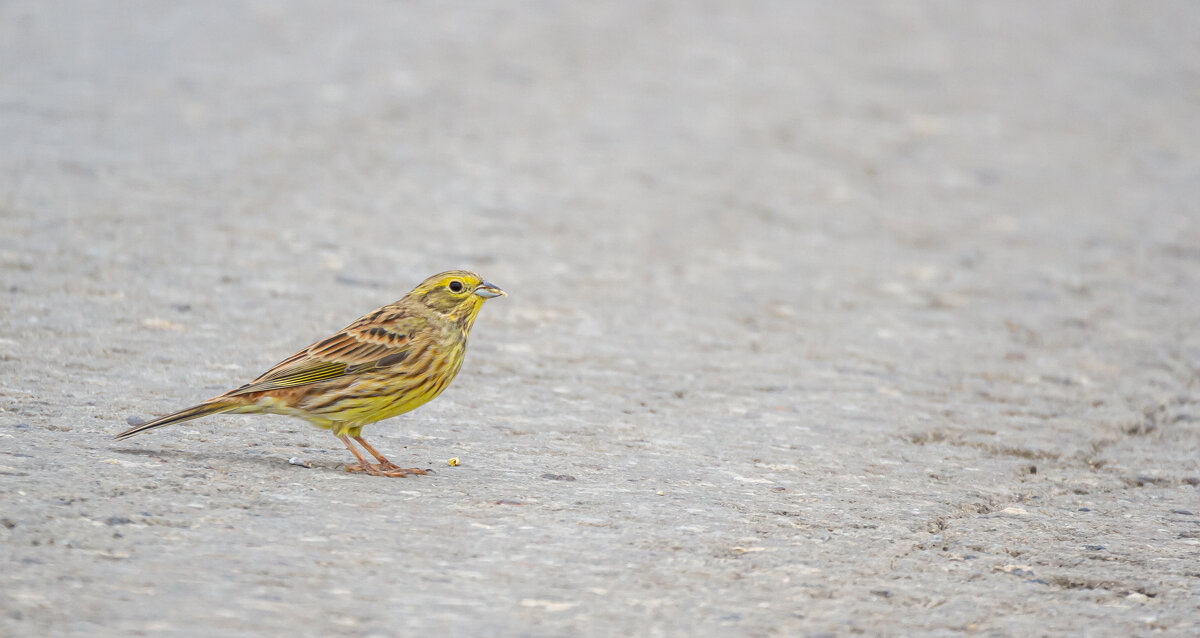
{"x":187,"y":414}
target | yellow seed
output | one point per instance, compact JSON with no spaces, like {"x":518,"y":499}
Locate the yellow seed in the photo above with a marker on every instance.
{"x":452,"y":462}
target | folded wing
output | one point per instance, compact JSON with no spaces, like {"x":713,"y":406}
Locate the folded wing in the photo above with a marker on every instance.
{"x":369,"y":343}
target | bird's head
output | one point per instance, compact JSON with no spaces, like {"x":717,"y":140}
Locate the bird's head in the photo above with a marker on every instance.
{"x":457,"y":294}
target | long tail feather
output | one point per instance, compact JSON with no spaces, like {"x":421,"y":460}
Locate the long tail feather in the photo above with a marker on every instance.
{"x":187,"y":414}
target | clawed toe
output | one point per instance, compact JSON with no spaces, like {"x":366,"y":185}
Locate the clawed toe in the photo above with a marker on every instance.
{"x":403,"y":471}
{"x":389,"y":469}
{"x":388,"y":465}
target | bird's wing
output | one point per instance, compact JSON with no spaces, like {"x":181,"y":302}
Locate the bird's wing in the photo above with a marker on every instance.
{"x":378,"y":340}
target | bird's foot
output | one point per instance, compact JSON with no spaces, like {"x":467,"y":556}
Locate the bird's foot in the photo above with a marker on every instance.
{"x":388,"y":465}
{"x":384,"y":469}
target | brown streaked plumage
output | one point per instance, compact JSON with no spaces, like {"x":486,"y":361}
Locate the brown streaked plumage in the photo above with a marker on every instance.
{"x":386,"y":363}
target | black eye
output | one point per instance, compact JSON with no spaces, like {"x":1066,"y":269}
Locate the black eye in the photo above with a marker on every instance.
{"x":456,"y":286}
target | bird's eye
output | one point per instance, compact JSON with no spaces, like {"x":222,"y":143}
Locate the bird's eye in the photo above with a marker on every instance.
{"x":456,"y":286}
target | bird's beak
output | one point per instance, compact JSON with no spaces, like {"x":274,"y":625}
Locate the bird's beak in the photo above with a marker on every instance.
{"x":487,"y":290}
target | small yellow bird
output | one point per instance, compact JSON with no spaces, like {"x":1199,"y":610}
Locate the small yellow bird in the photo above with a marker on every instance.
{"x":388,"y":362}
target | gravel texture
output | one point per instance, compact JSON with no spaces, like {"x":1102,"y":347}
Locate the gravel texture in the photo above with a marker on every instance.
{"x":824,"y":318}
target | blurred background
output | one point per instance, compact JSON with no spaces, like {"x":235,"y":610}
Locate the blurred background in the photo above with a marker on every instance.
{"x":908,"y":263}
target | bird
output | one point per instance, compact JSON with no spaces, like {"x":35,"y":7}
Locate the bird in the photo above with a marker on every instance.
{"x":388,"y":362}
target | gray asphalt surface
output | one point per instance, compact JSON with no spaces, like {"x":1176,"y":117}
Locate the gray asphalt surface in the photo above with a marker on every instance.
{"x":824,"y":318}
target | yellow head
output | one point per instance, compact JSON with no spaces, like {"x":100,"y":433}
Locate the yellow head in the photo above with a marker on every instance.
{"x":456,"y":294}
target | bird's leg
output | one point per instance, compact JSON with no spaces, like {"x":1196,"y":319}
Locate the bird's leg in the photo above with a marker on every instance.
{"x":363,"y":465}
{"x":383,"y":462}
{"x":386,"y":464}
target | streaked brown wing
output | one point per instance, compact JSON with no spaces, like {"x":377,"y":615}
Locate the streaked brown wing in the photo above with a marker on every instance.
{"x":374,"y":341}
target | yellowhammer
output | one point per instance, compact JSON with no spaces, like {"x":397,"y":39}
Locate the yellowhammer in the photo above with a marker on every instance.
{"x":386,"y":363}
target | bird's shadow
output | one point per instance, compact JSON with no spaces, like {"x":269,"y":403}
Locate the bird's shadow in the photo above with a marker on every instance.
{"x":206,"y":460}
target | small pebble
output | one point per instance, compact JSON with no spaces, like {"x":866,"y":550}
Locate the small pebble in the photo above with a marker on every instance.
{"x":295,"y":460}
{"x":558,"y":477}
{"x":135,"y":420}
{"x":158,"y":323}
